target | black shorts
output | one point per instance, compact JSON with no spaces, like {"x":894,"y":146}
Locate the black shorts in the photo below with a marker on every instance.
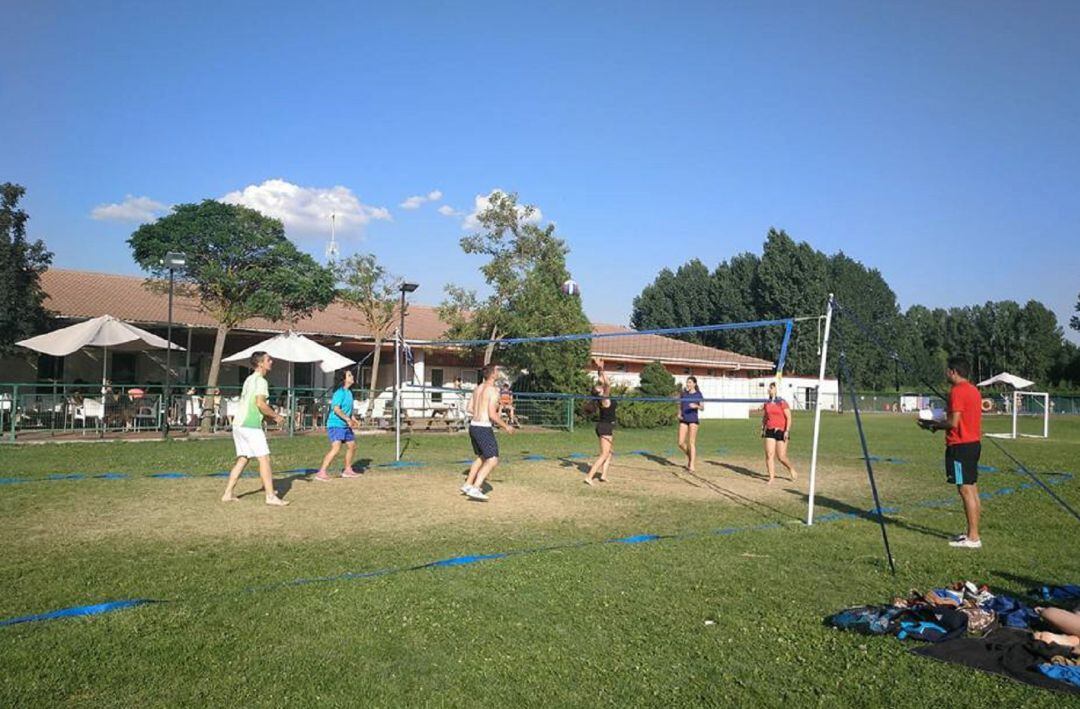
{"x":483,"y":440}
{"x":605,"y":428}
{"x":775,"y":433}
{"x":962,"y":463}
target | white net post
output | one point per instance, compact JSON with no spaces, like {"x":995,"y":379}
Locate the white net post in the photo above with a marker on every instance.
{"x":397,"y":395}
{"x":1015,"y":413}
{"x":817,"y":411}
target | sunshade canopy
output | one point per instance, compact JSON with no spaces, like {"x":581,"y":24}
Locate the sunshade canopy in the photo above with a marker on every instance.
{"x":104,"y":331}
{"x":291,"y":347}
{"x":1006,"y":378}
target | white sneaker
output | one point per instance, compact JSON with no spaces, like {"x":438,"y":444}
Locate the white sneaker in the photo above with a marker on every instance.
{"x":465,"y":489}
{"x":966,"y":543}
{"x":958,"y":538}
{"x":476,"y":493}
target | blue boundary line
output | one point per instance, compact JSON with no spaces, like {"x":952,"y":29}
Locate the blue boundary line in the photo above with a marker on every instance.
{"x":468,"y":559}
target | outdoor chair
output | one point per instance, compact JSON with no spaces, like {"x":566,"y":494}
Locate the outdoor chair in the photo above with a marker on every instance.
{"x":89,"y":409}
{"x":146,"y":413}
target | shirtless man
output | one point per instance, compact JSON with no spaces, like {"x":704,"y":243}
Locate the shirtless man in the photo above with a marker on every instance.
{"x":484,"y":409}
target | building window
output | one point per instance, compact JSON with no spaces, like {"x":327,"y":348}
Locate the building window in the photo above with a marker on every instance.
{"x":123,"y":367}
{"x":712,"y":372}
{"x":436,"y":382}
{"x":303,"y":375}
{"x":50,"y":368}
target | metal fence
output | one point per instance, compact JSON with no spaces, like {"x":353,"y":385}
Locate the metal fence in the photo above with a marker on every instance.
{"x":889,"y":403}
{"x":91,"y":410}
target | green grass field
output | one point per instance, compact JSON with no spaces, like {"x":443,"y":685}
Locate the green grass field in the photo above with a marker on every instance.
{"x":700,"y":618}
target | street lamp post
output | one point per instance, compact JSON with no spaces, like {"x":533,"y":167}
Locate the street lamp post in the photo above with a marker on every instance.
{"x":174,"y":260}
{"x":399,"y":364}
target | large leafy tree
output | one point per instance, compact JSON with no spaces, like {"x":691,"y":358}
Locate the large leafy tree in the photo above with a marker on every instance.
{"x":240,"y":265}
{"x":22,"y":313}
{"x":864,"y":293}
{"x":680,"y":299}
{"x":525,"y":268}
{"x":365,"y":286}
{"x":792,"y":279}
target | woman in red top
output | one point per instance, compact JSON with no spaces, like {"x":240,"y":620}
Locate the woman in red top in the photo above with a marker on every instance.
{"x":775,"y":428}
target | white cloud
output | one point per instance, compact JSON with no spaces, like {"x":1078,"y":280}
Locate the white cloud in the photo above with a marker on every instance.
{"x":133,"y":209}
{"x":308,"y":209}
{"x":416,"y":201}
{"x":482,"y":202}
{"x":447,"y":211}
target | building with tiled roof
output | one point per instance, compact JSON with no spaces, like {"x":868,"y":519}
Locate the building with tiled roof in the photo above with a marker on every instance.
{"x":78,"y":295}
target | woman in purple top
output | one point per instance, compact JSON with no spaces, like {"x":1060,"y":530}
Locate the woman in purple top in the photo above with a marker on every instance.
{"x":691,"y":403}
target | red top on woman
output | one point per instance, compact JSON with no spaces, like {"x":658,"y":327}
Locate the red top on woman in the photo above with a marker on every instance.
{"x":774,"y":414}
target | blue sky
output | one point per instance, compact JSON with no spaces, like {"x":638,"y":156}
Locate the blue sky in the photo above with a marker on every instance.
{"x":936,"y":141}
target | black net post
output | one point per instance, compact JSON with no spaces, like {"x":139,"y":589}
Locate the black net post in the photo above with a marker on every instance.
{"x":850,"y":385}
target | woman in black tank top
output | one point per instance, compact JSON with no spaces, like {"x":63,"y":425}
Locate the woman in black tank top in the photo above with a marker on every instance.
{"x":605,"y":425}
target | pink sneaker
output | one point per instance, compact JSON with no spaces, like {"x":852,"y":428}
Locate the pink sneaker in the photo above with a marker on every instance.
{"x":350,"y":474}
{"x":321,"y":476}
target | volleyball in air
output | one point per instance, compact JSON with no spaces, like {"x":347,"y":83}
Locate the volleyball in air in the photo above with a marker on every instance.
{"x":570,"y":287}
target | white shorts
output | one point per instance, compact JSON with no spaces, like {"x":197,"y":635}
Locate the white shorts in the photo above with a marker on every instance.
{"x":250,"y":442}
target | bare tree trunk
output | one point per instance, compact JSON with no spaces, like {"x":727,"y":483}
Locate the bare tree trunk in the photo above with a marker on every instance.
{"x":490,"y":349}
{"x":210,"y":409}
{"x":374,"y":376}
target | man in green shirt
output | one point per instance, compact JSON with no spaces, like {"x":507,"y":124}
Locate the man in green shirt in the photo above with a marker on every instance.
{"x":248,"y":434}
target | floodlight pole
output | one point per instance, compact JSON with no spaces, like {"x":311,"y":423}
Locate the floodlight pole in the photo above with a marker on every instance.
{"x":817,"y":411}
{"x":173,"y":260}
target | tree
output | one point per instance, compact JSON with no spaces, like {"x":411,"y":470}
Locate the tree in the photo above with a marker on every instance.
{"x":1074,"y":321}
{"x":22,"y":310}
{"x":240,"y":265}
{"x":656,"y":380}
{"x":526,"y":268}
{"x":654,"y":308}
{"x":792,"y":280}
{"x":680,"y":299}
{"x":734,"y":301}
{"x":373,"y":293}
{"x":864,"y":293}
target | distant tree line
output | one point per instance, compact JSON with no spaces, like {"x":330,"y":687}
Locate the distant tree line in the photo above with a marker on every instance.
{"x":792,"y":279}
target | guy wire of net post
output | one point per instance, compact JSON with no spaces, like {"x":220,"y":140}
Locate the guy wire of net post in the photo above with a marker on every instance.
{"x":850,"y":386}
{"x":872,"y":336}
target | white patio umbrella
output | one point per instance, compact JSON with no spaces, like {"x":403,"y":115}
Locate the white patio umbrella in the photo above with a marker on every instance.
{"x":105,"y":332}
{"x":1005,"y":378}
{"x":292,"y":348}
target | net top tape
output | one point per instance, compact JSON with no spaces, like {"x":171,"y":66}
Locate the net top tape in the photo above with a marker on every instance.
{"x":788,"y":322}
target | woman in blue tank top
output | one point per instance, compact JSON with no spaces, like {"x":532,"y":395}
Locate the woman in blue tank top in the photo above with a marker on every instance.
{"x":340,"y":423}
{"x":691,"y":403}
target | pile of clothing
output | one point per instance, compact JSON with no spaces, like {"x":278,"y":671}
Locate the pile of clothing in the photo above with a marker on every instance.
{"x":968,"y":624}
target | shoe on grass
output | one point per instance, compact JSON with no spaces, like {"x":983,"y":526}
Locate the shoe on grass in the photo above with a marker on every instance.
{"x":476,"y":493}
{"x":966,"y":543}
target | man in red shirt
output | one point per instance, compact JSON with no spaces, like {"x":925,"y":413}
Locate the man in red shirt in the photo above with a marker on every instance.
{"x":963,"y":431}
